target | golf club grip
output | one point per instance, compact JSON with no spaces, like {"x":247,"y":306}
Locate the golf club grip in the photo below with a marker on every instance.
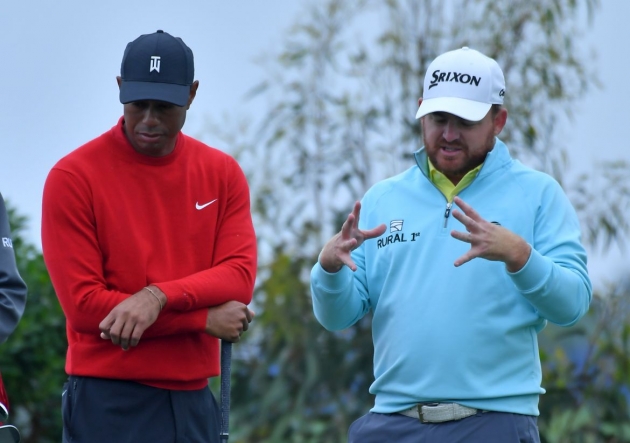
{"x":226,"y":363}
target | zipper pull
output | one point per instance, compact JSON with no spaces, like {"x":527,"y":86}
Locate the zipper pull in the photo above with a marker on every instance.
{"x":447,"y":212}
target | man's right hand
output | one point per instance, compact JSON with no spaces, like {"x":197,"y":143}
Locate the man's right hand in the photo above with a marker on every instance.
{"x":125,"y":324}
{"x":336,"y":252}
{"x":229,"y":320}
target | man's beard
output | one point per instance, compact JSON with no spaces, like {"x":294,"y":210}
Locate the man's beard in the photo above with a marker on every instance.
{"x":471,"y":162}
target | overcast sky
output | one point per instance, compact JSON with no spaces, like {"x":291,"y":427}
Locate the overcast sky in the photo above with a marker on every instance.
{"x":59,"y":60}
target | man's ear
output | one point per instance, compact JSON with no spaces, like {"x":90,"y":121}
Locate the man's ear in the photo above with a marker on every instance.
{"x":193,"y":93}
{"x":499,"y":120}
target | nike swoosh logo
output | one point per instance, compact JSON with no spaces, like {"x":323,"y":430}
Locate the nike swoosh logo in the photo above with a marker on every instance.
{"x":200,"y":207}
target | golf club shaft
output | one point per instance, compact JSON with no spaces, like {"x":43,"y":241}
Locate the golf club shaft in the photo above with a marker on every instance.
{"x":226,"y":363}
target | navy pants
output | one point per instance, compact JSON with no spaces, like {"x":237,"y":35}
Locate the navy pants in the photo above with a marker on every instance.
{"x":488,"y":427}
{"x":99,"y":410}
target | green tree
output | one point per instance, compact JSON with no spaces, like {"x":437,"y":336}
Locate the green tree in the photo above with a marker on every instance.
{"x":342,"y":96}
{"x":292,"y":393}
{"x":32,"y":360}
{"x":587,"y":374}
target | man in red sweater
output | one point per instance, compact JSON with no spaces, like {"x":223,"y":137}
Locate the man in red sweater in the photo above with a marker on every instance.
{"x":148,"y":238}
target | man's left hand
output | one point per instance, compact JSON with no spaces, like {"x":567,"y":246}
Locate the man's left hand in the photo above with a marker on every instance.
{"x":489,"y":241}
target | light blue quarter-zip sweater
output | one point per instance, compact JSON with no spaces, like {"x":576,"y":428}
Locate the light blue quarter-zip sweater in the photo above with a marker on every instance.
{"x":468,"y":334}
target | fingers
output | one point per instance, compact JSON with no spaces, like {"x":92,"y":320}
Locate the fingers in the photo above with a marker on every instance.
{"x":356,"y":211}
{"x":466,"y":237}
{"x":111,"y":333}
{"x":131,"y":335}
{"x":349,"y":263}
{"x":105,"y":326}
{"x":234,"y":333}
{"x":466,"y":208}
{"x":470,"y":224}
{"x":126,"y":323}
{"x":375,"y":232}
{"x":464,"y":259}
{"x":116,"y":333}
{"x":469,"y":218}
{"x":123,"y":339}
{"x":348,"y":227}
{"x":229,"y":320}
{"x":348,"y":245}
{"x":352,"y":222}
{"x":337,"y":251}
{"x":249,"y":316}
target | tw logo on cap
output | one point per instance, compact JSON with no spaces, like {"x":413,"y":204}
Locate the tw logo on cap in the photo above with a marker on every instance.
{"x":155,"y":63}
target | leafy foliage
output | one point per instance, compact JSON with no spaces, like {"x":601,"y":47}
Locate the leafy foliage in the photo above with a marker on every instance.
{"x":297,"y":366}
{"x":587,"y":374}
{"x":604,"y":215}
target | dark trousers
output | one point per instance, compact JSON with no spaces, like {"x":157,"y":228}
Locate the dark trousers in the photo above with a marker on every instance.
{"x":99,"y":410}
{"x":488,"y":427}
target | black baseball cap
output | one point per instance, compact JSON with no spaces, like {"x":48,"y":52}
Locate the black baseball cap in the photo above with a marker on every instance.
{"x":157,"y":66}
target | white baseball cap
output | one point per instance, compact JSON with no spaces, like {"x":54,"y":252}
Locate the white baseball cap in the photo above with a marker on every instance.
{"x":463,"y":82}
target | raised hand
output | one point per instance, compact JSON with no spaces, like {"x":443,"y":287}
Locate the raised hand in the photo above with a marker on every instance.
{"x":489,"y":241}
{"x":336,"y":252}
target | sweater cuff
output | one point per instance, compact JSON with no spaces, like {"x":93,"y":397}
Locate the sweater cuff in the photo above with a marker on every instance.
{"x":331,"y":282}
{"x":534,"y":274}
{"x":177,"y":299}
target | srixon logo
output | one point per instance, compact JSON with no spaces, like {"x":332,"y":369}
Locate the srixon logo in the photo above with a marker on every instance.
{"x":439,"y":77}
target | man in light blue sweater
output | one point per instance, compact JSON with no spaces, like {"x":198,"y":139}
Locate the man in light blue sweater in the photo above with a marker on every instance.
{"x":468,"y":255}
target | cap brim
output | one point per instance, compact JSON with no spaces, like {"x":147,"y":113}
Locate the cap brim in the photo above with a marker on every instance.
{"x":466,"y":109}
{"x":165,"y":92}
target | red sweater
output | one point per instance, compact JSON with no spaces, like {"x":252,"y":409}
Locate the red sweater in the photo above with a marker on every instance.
{"x":114,"y":221}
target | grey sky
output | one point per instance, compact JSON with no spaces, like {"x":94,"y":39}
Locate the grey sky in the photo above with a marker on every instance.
{"x":60,"y":59}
